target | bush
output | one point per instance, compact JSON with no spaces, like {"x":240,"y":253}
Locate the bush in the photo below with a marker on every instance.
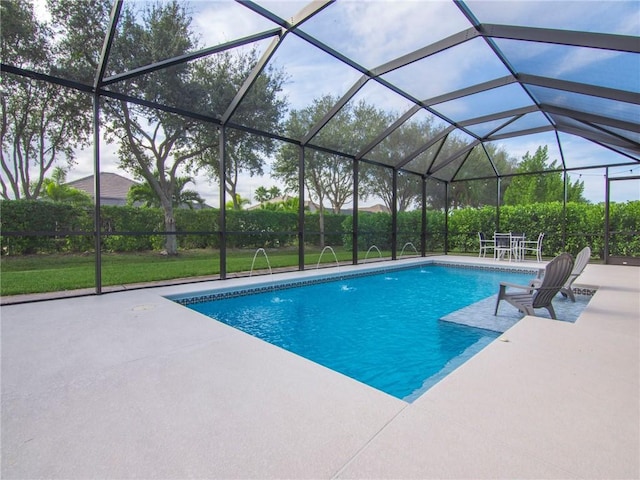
{"x":261,"y":228}
{"x":373,"y":229}
{"x":334,"y":229}
{"x":47,"y":227}
{"x":198,"y":228}
{"x":132,"y":228}
{"x":30,"y":227}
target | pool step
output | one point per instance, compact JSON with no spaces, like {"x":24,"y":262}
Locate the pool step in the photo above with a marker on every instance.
{"x":480,"y":314}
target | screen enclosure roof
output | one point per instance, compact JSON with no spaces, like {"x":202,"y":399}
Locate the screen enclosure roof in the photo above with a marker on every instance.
{"x":512,"y":74}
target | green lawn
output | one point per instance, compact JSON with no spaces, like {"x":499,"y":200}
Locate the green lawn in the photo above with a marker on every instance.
{"x":51,"y":273}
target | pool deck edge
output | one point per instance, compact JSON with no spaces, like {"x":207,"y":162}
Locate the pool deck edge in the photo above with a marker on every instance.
{"x":131,"y":384}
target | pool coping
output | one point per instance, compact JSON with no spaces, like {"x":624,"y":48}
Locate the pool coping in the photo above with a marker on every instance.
{"x":320,"y":276}
{"x":129,"y":384}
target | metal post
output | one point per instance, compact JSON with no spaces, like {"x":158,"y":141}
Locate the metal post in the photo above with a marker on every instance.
{"x":446,"y":218}
{"x":607,"y":198}
{"x":565,"y":193}
{"x":97,"y":219}
{"x":301,"y":172}
{"x":564,"y":211}
{"x":423,"y":232}
{"x":354,"y":228}
{"x":394,"y":216}
{"x":223,"y":215}
{"x":498,"y":202}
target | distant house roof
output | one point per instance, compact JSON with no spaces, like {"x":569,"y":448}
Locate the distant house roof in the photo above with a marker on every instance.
{"x":375,"y":209}
{"x":278,"y":199}
{"x":312,"y":207}
{"x":113,"y":187}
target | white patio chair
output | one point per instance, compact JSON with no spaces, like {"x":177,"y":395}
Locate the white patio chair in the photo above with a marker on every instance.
{"x":517,"y":240}
{"x":485,"y":244}
{"x":502,"y":245}
{"x":534,"y":246}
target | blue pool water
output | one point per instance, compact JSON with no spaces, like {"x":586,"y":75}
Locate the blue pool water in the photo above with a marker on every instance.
{"x":382,"y":330}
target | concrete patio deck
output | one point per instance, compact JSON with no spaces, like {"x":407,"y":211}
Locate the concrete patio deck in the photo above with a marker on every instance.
{"x":132,"y":385}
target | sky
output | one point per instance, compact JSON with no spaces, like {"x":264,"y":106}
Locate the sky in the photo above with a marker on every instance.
{"x":375,"y":32}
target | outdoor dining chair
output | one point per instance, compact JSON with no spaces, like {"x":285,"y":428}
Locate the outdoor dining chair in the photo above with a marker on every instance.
{"x":517,"y":242}
{"x":502,"y":245}
{"x":534,"y":246}
{"x":485,"y":244}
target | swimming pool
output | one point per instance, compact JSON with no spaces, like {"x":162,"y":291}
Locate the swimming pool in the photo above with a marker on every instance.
{"x":382,"y":329}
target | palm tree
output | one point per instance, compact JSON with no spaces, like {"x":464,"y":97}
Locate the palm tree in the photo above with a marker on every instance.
{"x":55,"y":190}
{"x":144,"y":194}
{"x":238,"y":204}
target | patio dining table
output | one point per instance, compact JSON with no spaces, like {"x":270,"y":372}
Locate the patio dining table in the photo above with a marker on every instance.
{"x":517,"y":244}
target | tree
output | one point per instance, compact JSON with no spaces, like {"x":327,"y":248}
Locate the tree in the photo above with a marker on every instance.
{"x":144,"y":194}
{"x":151,"y":140}
{"x":79,"y":27}
{"x":154,"y":144}
{"x":260,"y":108}
{"x":327,"y":177}
{"x":538,"y":187}
{"x":41,"y":123}
{"x":237,"y":203}
{"x":288,"y":204}
{"x":468,"y":192}
{"x":378,"y":181}
{"x":320,"y":168}
{"x":54,"y":189}
{"x":263,"y":194}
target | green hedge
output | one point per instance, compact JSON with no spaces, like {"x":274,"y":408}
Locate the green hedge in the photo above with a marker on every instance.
{"x":375,"y":229}
{"x":41,"y":218}
{"x":56,"y":227}
{"x":584,"y":226}
{"x":128,"y":229}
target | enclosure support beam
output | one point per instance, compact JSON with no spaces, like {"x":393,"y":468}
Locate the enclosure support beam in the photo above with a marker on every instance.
{"x":97,"y":220}
{"x":565,"y":179}
{"x":394,"y":216}
{"x":607,"y":198}
{"x":253,"y":76}
{"x":354,"y":228}
{"x":223,"y":214}
{"x":603,"y":137}
{"x":190,"y":57}
{"x":301,"y":209}
{"x":423,"y":230}
{"x":498,"y":202}
{"x":102,"y":66}
{"x":446,"y":218}
{"x":564,"y":192}
{"x":606,"y":41}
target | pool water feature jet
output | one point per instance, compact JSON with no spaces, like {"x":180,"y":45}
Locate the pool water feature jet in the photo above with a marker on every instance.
{"x":372,"y":247}
{"x":334,"y":256}
{"x":266,"y":258}
{"x":405,"y":246}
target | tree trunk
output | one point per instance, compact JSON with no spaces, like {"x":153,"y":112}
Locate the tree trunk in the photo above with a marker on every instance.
{"x":171,"y":241}
{"x":321,"y":225}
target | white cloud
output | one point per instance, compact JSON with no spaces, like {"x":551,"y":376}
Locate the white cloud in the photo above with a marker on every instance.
{"x":377,"y":32}
{"x":85,"y":160}
{"x":219,"y":22}
{"x":615,"y":16}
